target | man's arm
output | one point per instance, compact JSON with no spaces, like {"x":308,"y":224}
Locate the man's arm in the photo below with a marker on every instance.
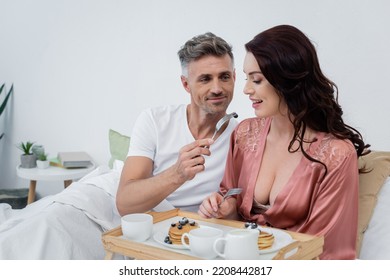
{"x":140,"y":191}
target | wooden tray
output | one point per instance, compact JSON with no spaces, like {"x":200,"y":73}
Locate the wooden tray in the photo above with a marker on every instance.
{"x":305,"y":247}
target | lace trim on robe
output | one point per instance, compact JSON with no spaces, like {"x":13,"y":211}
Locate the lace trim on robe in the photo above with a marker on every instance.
{"x":331,"y":151}
{"x":248,"y":134}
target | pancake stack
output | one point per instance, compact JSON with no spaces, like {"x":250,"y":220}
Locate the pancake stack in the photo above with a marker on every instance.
{"x":266,"y":239}
{"x":178,"y":229}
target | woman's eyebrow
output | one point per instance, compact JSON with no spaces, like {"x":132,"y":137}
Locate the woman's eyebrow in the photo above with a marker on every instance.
{"x":254,"y":72}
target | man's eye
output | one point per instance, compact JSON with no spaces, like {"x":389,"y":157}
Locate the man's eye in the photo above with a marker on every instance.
{"x":204,"y":79}
{"x":225,"y":77}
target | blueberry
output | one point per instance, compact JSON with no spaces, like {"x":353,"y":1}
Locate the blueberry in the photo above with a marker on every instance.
{"x":185,"y":220}
{"x":182,"y":222}
{"x":167,"y":240}
{"x":247,"y":224}
{"x":192,"y":223}
{"x":180,"y":226}
{"x":173,"y":224}
{"x":253,"y":225}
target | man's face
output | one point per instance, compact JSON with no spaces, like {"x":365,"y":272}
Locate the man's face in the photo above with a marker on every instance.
{"x":210,"y":82}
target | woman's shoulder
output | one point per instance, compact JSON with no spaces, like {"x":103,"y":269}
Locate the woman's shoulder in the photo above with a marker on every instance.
{"x":332,"y":150}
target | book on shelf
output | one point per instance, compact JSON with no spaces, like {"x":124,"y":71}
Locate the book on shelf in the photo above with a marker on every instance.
{"x":74,"y":159}
{"x":55,"y":162}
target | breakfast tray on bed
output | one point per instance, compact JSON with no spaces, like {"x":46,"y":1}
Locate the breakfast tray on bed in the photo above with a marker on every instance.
{"x":303,"y":246}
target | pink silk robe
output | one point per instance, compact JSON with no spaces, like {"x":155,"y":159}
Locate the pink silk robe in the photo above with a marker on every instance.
{"x":308,"y":203}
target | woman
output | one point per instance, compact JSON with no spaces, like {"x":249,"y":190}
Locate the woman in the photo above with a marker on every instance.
{"x":297,"y":160}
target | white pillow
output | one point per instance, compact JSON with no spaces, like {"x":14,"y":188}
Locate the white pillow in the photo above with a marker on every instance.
{"x":376,"y":241}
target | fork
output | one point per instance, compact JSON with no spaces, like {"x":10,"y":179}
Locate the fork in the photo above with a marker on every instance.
{"x":222,"y":121}
{"x":229,"y":193}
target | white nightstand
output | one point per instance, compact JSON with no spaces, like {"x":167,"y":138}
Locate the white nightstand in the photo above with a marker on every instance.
{"x":51,"y":173}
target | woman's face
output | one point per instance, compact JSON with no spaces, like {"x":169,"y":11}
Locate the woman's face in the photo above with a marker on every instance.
{"x":262,"y":94}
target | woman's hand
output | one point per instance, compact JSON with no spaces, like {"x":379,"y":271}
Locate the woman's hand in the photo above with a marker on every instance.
{"x":215,"y":207}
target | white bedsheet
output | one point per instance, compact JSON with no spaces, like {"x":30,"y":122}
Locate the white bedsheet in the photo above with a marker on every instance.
{"x":67,"y":225}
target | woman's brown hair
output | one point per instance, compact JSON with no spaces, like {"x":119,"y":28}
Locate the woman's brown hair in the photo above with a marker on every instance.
{"x":288,"y":60}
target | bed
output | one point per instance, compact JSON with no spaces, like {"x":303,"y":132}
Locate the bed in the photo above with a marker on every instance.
{"x":69,"y":225}
{"x":63,"y":226}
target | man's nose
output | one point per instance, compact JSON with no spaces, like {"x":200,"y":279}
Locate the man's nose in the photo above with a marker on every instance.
{"x":216,"y":87}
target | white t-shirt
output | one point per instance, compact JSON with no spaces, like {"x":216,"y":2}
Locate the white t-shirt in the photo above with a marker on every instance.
{"x":159,"y":133}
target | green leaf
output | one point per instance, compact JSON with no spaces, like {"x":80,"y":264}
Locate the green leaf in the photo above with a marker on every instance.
{"x":26,"y":147}
{"x":2,"y":107}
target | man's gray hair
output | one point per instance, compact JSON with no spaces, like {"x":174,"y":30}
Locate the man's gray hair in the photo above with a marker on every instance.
{"x":202,"y":45}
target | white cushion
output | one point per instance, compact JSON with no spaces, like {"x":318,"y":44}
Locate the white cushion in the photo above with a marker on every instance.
{"x":376,"y":241}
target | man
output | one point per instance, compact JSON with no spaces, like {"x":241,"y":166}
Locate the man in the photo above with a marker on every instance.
{"x":172,"y":159}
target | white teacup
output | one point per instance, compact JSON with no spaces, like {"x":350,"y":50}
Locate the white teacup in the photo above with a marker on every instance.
{"x":240,"y":244}
{"x":201,"y":241}
{"x":137,"y":227}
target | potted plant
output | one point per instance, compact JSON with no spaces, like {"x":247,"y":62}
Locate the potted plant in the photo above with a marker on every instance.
{"x":38,"y":150}
{"x":42,"y":161}
{"x":27,"y":159}
{"x":4,"y":102}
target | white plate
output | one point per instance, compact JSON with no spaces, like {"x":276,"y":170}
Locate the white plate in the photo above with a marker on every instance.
{"x":159,"y":237}
{"x":281,"y":240}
